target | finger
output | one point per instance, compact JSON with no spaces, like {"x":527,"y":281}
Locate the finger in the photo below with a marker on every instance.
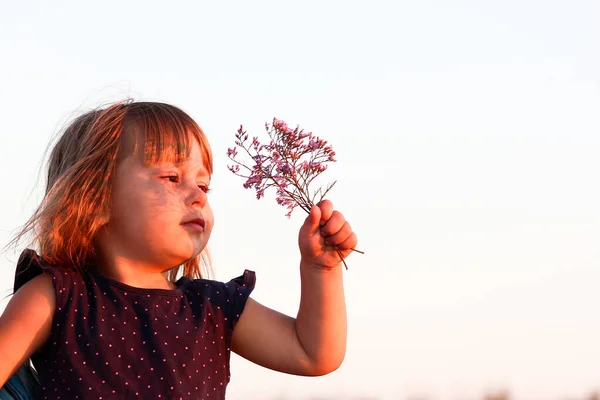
{"x":350,"y":243}
{"x":326,"y":207}
{"x":340,"y":236}
{"x":312,"y":222}
{"x":335,"y":222}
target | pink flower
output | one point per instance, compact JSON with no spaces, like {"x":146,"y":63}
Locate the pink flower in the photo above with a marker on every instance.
{"x":289,"y":163}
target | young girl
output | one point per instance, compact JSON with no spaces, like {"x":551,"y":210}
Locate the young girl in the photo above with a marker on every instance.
{"x":99,"y":306}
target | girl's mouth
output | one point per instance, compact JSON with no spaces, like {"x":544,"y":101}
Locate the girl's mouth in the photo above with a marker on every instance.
{"x":196,"y":224}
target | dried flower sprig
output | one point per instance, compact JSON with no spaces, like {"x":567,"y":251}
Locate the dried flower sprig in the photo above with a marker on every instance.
{"x":289,"y":164}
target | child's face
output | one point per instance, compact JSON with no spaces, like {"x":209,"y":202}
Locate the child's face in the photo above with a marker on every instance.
{"x":159,"y":214}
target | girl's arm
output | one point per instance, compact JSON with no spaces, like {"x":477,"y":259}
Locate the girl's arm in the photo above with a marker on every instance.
{"x":315,"y":342}
{"x":25,"y":324}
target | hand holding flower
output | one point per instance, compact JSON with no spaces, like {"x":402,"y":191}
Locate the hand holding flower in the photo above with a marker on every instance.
{"x":325,"y":237}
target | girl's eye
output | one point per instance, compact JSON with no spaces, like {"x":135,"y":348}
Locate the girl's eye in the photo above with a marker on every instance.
{"x":204,"y":188}
{"x":172,"y":178}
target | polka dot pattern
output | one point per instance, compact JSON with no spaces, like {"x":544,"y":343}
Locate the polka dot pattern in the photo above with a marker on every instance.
{"x":110,"y":340}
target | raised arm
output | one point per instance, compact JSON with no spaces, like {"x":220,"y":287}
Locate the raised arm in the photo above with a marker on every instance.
{"x":25,"y":324}
{"x":315,"y":342}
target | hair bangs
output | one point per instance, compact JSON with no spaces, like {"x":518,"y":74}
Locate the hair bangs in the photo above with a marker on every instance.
{"x":165,"y":134}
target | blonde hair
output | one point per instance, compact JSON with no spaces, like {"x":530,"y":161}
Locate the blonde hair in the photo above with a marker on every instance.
{"x":81,"y":167}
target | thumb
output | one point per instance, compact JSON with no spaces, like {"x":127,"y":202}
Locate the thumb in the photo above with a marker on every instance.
{"x":312,"y":222}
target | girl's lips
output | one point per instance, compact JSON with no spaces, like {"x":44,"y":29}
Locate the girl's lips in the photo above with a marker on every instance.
{"x":196,"y":225}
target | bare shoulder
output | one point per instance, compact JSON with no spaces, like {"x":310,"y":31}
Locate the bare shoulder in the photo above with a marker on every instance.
{"x":37,"y":289}
{"x":25,"y":323}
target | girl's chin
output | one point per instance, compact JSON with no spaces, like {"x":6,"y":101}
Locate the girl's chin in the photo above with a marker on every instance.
{"x":182,"y":252}
{"x":190,"y":255}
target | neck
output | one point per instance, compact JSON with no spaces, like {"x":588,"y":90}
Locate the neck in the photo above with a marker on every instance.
{"x":133,"y":273}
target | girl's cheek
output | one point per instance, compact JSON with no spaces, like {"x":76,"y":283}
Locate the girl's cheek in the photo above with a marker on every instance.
{"x":162,"y":197}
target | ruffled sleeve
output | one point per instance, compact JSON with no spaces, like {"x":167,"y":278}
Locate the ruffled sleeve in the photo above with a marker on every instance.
{"x":65,"y":282}
{"x":238,"y":290}
{"x":28,"y":267}
{"x":220,"y":302}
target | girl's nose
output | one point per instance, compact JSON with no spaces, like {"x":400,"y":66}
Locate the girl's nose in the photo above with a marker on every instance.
{"x":197,"y":196}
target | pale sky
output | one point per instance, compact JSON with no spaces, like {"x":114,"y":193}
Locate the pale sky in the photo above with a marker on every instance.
{"x":467,"y":136}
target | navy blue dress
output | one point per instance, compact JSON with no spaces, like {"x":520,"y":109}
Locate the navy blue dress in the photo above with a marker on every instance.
{"x":113,"y":341}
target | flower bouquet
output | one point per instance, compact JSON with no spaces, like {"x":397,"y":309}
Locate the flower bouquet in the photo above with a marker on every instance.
{"x":289,"y":163}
